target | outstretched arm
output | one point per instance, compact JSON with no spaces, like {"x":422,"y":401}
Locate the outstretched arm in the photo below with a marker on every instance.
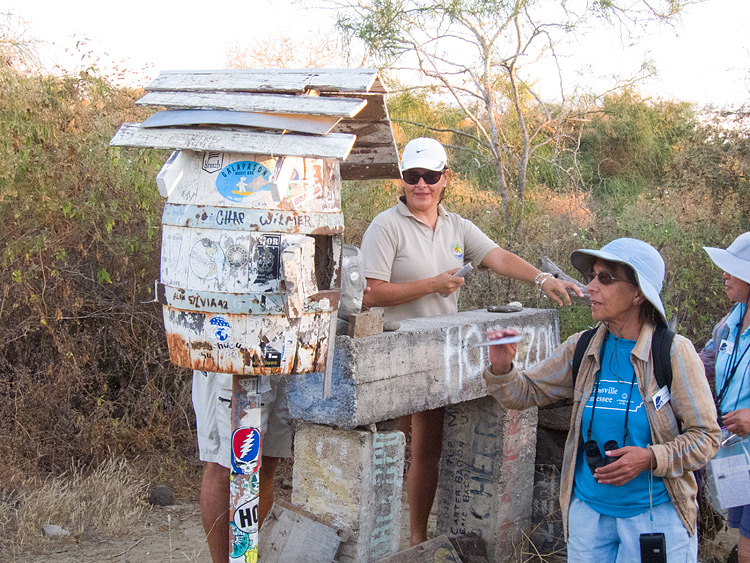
{"x":508,"y":264}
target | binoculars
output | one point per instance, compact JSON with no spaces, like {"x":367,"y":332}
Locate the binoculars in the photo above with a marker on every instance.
{"x":594,"y":457}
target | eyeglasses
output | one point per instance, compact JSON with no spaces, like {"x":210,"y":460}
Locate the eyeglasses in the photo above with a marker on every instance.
{"x":605,"y":278}
{"x":412,"y":177}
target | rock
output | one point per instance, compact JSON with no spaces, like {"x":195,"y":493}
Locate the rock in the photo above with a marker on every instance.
{"x":161,"y":495}
{"x":512,"y":307}
{"x":391,"y":326}
{"x":54,"y":531}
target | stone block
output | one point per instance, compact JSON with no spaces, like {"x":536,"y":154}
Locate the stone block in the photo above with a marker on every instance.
{"x":352,"y":479}
{"x":426,"y":364}
{"x":487,"y":453}
{"x":366,"y":323}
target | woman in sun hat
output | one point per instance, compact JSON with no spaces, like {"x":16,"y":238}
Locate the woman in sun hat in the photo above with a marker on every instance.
{"x":410,"y":253}
{"x":727,"y":360}
{"x":611,"y":493}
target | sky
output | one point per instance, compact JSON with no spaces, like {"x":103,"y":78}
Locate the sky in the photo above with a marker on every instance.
{"x":705,"y":59}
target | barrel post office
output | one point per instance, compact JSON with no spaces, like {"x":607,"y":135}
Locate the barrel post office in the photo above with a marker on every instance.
{"x":252,"y":233}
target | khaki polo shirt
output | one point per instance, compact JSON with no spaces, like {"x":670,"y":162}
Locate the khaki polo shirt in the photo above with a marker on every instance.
{"x":397,"y":248}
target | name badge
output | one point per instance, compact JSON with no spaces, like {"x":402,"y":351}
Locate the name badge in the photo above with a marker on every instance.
{"x":661,"y":397}
{"x":726,"y":346}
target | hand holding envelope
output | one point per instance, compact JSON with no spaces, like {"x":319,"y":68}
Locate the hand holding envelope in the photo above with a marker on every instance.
{"x":503,"y":343}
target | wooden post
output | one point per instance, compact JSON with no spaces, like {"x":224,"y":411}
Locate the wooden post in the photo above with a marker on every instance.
{"x":244,"y":474}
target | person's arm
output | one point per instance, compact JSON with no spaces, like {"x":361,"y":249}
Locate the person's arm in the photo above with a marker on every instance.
{"x":387,"y":294}
{"x":698,"y":441}
{"x":693,"y":407}
{"x":508,"y":264}
{"x":543,"y":383}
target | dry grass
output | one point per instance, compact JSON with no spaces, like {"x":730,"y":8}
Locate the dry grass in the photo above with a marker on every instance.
{"x":109,"y":501}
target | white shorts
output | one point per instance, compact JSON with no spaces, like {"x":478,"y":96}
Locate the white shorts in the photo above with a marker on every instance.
{"x":212,"y":401}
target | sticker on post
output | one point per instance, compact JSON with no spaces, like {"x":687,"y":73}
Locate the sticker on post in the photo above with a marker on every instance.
{"x":245,"y":180}
{"x":206,"y":259}
{"x":246,"y":516}
{"x":219,"y":329}
{"x":245,"y":450}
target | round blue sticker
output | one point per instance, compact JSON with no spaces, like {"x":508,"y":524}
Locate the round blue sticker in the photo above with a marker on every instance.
{"x":243,"y":179}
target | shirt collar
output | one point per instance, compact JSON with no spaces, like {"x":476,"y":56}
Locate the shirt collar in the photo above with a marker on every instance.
{"x":735,"y":316}
{"x":641,"y":348}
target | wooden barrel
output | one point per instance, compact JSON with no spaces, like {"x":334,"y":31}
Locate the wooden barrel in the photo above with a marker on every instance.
{"x":250,"y":261}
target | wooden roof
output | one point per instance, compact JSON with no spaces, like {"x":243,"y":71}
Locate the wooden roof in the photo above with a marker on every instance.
{"x":315,"y":113}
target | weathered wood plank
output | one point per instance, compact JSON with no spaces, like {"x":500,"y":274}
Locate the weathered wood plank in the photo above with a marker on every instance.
{"x":371,"y":162}
{"x":387,"y":171}
{"x":436,"y":549}
{"x":333,"y":145}
{"x":369,"y":133}
{"x":263,"y":103}
{"x":313,"y":124}
{"x":290,"y":533}
{"x":547,"y":265}
{"x":276,"y":80}
{"x":375,"y":110}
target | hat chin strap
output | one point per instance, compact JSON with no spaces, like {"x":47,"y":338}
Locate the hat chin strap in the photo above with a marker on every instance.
{"x":623,"y":331}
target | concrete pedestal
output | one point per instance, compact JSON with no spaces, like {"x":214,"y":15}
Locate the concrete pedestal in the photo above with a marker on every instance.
{"x":352,"y":479}
{"x":486,"y":474}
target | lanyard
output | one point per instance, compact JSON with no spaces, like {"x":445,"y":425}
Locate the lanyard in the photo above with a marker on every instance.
{"x":732,"y":363}
{"x":596,"y":396}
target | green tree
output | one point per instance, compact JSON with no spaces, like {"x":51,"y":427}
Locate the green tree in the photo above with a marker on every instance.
{"x":482,"y":53}
{"x":631,"y":142}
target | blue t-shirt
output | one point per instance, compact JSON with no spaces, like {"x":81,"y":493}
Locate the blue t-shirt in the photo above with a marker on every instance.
{"x":737,"y":395}
{"x":616,"y":384}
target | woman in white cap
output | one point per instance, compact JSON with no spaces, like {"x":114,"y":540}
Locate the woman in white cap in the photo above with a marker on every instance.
{"x":727,"y":360}
{"x":632,"y":443}
{"x":410,"y":254}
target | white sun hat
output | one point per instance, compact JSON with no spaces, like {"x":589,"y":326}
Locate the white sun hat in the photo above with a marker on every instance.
{"x":424,"y":152}
{"x":735,"y":260}
{"x":643,"y":258}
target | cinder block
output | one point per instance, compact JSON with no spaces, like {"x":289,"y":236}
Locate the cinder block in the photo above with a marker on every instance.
{"x":426,"y":364}
{"x":366,"y":323}
{"x":488,"y":456}
{"x":352,"y":479}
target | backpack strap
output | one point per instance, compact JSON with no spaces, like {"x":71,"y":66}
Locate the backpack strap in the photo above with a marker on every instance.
{"x":661,"y":348}
{"x":581,"y":346}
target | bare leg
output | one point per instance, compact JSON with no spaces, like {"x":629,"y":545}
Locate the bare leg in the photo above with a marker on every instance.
{"x":422,"y":479}
{"x":215,"y":510}
{"x":267,"y":486}
{"x":743,"y":552}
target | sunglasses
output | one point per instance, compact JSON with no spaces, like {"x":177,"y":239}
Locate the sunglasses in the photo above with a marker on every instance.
{"x":605,"y":278}
{"x":431,"y":177}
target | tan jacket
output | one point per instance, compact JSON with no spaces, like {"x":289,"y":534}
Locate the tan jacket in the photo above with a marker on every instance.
{"x":684,"y":436}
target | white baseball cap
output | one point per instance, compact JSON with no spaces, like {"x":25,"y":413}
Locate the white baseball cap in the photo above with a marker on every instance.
{"x":735,"y":260}
{"x":424,"y":152}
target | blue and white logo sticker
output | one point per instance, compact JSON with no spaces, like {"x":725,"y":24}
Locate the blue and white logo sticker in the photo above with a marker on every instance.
{"x":244,"y":179}
{"x":219,"y":329}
